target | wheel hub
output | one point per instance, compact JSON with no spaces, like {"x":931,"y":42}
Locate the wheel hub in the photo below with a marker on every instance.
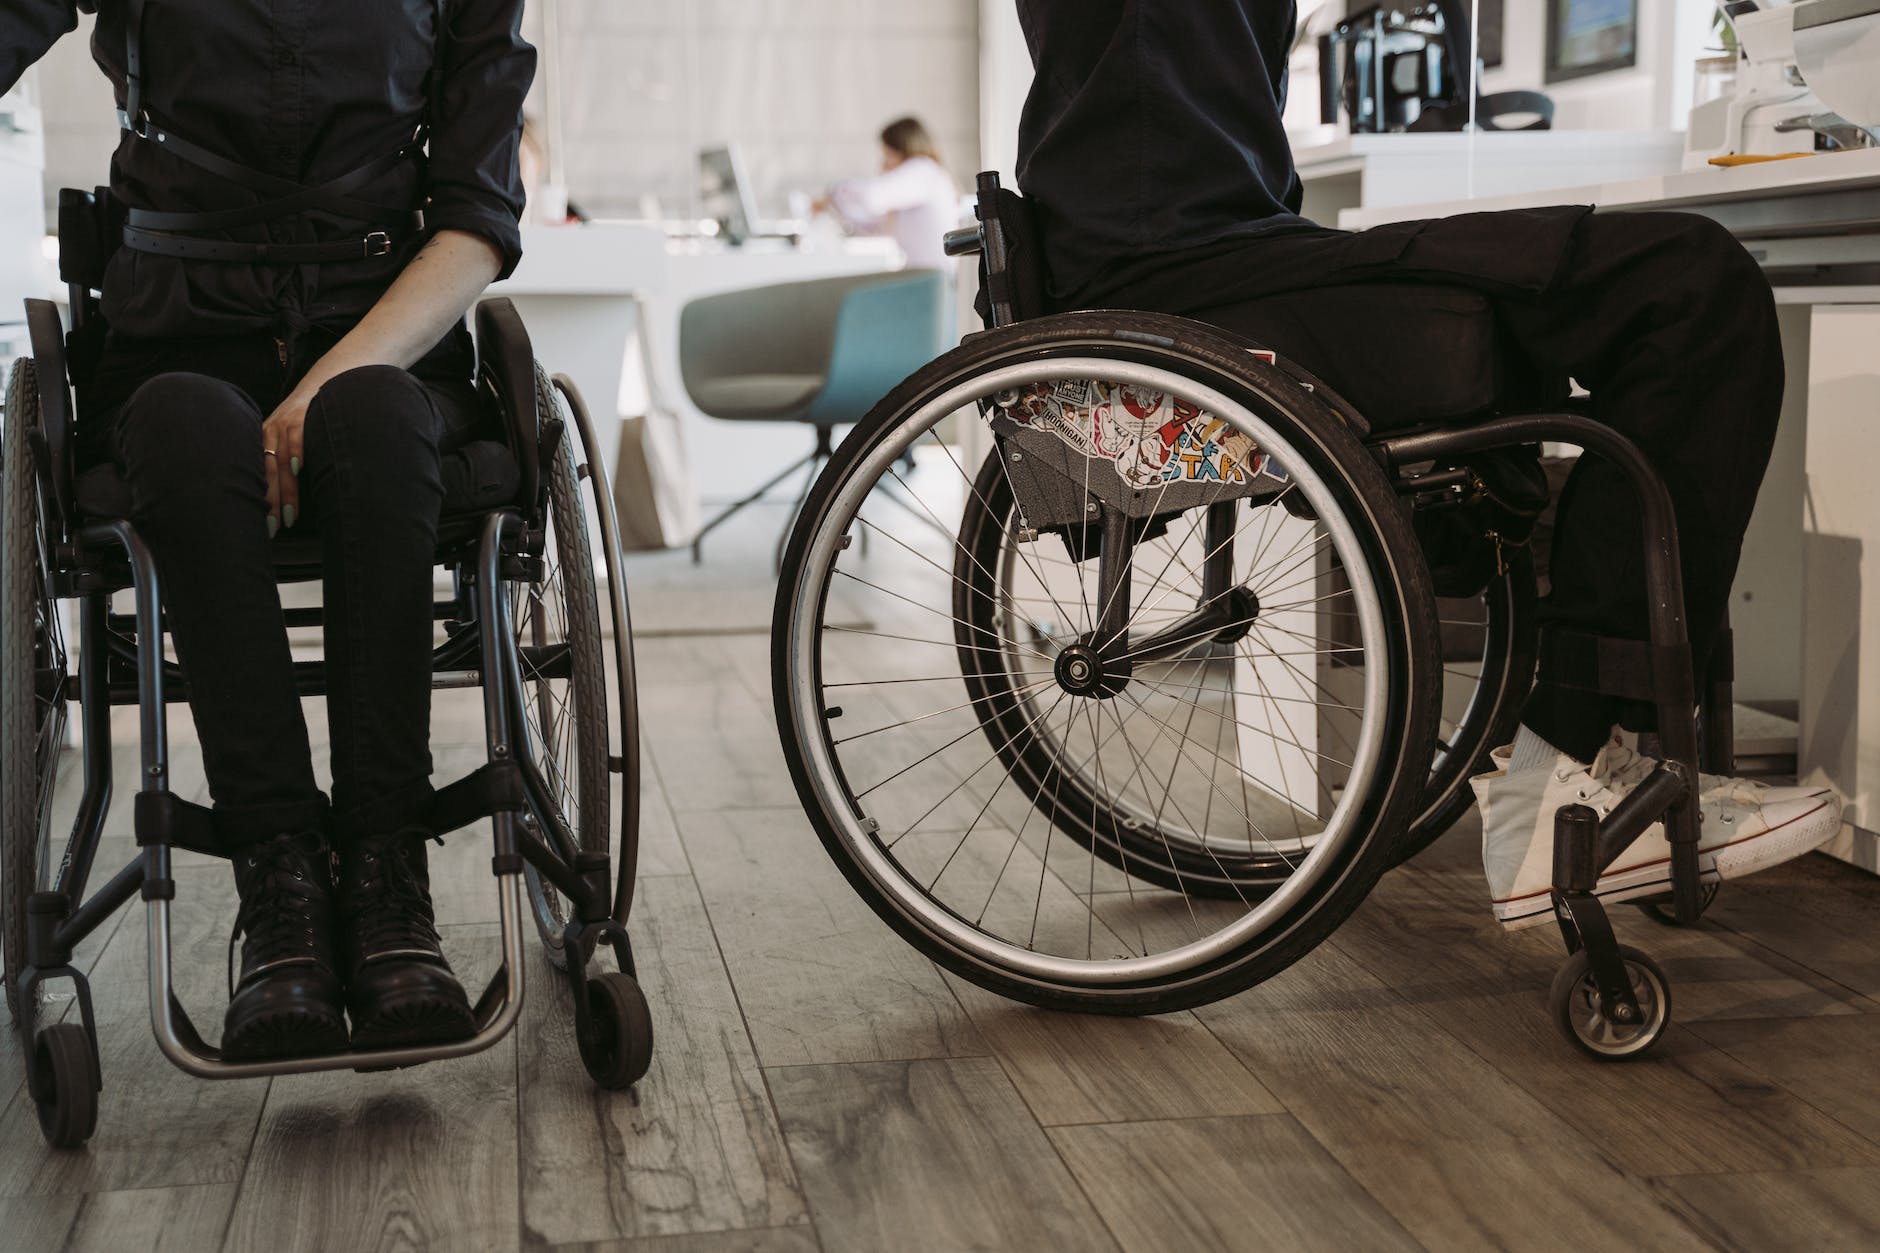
{"x":1082,"y":671}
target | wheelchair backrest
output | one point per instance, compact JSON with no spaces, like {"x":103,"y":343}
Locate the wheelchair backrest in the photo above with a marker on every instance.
{"x":1012,"y":274}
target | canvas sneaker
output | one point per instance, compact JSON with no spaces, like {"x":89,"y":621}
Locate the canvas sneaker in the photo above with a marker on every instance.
{"x":1747,"y":826}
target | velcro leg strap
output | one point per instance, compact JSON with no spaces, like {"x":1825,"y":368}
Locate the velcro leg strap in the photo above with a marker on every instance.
{"x":166,"y":818}
{"x":490,"y":789}
{"x":1629,"y":669}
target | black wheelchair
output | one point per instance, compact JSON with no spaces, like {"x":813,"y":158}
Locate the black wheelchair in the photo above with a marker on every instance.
{"x":527,"y":621}
{"x":1157,"y":685}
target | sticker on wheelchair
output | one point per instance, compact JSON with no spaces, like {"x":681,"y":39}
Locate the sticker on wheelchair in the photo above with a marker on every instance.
{"x":1150,"y":437}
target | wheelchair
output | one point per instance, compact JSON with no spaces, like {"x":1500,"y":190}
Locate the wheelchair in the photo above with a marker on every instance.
{"x":1127,"y":710}
{"x":527,"y":622}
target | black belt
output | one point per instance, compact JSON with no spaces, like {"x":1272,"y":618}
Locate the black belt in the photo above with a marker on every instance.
{"x":374,"y":244}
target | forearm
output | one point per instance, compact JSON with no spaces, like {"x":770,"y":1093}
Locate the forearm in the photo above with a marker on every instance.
{"x":429,"y":297}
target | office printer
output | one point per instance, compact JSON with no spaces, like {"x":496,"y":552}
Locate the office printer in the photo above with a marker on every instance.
{"x":1808,"y":80}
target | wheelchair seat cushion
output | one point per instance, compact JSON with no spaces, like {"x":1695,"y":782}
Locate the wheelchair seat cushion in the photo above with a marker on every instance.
{"x":479,"y":476}
{"x":1403,"y":354}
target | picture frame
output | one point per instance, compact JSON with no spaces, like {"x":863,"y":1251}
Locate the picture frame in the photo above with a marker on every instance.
{"x":1587,"y":37}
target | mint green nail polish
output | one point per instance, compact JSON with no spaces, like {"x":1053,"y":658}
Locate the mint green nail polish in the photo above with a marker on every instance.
{"x":274,"y":524}
{"x":288,"y":514}
{"x":293,"y":468}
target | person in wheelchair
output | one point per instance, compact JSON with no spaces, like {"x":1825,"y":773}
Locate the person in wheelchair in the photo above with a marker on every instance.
{"x":1152,"y":149}
{"x":287,"y":351}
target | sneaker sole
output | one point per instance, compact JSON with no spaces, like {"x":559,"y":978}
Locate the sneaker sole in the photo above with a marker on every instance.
{"x":1801,"y":834}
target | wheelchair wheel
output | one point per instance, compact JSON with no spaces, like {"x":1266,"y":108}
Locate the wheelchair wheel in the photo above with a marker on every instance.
{"x":1488,"y":669}
{"x":564,"y":650}
{"x":1161,"y":744}
{"x":1577,"y":1011}
{"x":33,"y":683}
{"x":65,"y":1085}
{"x":619,"y":1050}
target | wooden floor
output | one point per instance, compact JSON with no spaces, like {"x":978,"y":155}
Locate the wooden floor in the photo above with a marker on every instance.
{"x":817,"y":1084}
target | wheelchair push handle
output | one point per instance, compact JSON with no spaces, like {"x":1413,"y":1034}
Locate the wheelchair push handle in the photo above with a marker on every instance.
{"x":965,"y":241}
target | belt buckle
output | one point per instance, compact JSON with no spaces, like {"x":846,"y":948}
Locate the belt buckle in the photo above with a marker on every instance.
{"x":378,"y":244}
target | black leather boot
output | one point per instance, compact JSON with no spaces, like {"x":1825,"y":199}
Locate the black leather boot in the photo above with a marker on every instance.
{"x":399,"y":989}
{"x":288,"y":1001}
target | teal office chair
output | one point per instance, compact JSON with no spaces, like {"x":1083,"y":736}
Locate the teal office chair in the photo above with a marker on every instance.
{"x":820,"y":352}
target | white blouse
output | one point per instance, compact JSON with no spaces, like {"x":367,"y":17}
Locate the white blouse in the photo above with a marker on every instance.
{"x":916,"y":202}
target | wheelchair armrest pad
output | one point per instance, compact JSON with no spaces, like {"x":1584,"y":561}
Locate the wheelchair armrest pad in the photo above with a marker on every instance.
{"x":506,"y":364}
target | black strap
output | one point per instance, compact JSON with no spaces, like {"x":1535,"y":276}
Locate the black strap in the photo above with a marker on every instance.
{"x":1629,"y":669}
{"x":192,"y":248}
{"x":166,"y":818}
{"x":489,"y":789}
{"x":133,"y":58}
{"x":290,"y":197}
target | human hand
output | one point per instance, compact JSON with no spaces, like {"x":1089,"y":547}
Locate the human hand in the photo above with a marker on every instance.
{"x":282,"y":447}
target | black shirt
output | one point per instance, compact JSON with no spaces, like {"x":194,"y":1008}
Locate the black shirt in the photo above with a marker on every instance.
{"x":307,"y":90}
{"x":1153,"y":127}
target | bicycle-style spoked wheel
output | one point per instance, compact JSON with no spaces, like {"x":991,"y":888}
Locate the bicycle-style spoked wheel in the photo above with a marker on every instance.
{"x":35,"y":689}
{"x":564,"y":686}
{"x":1116,"y":717}
{"x":1488,"y":644}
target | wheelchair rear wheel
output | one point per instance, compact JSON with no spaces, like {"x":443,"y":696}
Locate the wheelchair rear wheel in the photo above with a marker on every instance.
{"x":565,"y":651}
{"x":33,"y":683}
{"x":1488,"y":668}
{"x":1052,"y":764}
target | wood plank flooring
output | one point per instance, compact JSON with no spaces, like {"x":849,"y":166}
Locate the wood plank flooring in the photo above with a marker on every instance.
{"x":818,"y":1085}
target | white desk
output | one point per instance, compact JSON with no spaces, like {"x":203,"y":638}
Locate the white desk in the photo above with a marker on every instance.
{"x":1807,"y":599}
{"x":1343,"y":172}
{"x":582,"y":289}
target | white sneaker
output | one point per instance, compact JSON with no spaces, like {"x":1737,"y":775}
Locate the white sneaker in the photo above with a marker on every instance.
{"x":1747,"y":826}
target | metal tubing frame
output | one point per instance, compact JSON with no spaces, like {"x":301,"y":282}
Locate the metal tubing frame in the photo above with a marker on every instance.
{"x":501,"y":1001}
{"x":1664,"y":582}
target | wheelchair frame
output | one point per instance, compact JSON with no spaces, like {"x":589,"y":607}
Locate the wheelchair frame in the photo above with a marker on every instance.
{"x":90,"y":561}
{"x":1658,"y":670}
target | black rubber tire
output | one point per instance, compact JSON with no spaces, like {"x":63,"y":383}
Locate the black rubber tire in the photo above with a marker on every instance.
{"x":1316,"y":421}
{"x":623,"y":1025}
{"x":1494,"y":711}
{"x":1571,"y":987}
{"x":587,"y":683}
{"x":65,"y":1085}
{"x":29,"y":742}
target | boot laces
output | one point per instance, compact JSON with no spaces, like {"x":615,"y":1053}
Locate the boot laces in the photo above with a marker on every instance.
{"x":391,"y":909}
{"x":277,"y":910}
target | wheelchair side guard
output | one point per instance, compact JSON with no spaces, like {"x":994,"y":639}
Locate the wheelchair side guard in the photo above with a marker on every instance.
{"x":1077,"y":446}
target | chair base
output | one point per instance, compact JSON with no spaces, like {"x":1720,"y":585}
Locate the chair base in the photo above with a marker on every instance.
{"x":814,"y":461}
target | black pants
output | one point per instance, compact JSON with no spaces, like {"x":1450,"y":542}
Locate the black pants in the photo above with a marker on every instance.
{"x":182,"y":419}
{"x":1671,"y":326}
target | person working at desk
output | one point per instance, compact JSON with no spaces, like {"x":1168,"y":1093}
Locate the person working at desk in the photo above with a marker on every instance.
{"x":1151,"y":146}
{"x":913,"y":198}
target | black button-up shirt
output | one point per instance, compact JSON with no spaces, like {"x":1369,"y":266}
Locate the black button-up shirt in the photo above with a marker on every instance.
{"x":1153,"y":127}
{"x":307,"y":90}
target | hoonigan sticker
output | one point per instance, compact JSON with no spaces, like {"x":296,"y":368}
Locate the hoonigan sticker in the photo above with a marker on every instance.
{"x":1149,"y":436}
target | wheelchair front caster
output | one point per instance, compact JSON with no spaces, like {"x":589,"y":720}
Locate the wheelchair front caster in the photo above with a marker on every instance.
{"x":1582,"y":1017}
{"x":65,"y":1085}
{"x":619,"y":1048}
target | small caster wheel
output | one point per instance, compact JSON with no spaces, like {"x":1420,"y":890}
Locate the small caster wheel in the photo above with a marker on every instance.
{"x":1659,"y":909}
{"x":1574,"y":1001}
{"x":622,"y":1047}
{"x":65,"y":1085}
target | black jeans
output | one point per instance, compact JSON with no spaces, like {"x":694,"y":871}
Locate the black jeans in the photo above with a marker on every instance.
{"x":1671,"y":326}
{"x":182,"y":419}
